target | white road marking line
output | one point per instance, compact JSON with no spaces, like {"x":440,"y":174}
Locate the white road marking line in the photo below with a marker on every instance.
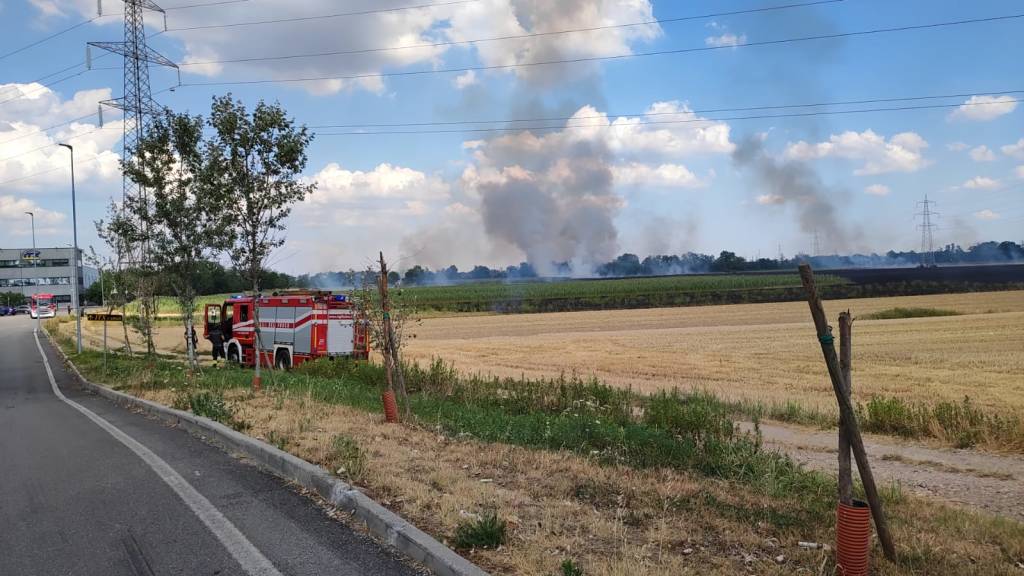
{"x":243,"y":551}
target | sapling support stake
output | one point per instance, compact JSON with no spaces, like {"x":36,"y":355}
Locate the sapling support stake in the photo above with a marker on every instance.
{"x":845,"y":363}
{"x":849,"y":419}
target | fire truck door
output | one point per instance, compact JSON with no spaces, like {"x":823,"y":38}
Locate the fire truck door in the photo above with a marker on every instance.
{"x":212,"y":319}
{"x":340,"y":333}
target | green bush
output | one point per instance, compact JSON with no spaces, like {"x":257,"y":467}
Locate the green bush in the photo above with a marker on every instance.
{"x":894,"y":313}
{"x":487,"y":532}
{"x":570,"y":568}
{"x":700,"y":415}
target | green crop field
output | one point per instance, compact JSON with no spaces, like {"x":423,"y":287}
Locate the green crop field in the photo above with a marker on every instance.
{"x":563,"y":295}
{"x":559,"y":295}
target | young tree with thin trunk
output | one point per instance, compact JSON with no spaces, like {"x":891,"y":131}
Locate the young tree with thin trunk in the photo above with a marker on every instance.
{"x":118,"y":233}
{"x":258,"y":159}
{"x":180,"y":217}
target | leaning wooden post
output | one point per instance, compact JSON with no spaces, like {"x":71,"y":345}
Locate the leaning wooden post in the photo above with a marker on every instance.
{"x":828,"y":349}
{"x":390,"y":348}
{"x":845,"y":363}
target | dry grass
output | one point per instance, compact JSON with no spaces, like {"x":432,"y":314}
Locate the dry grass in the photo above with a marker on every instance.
{"x":756,"y":351}
{"x":613,"y":521}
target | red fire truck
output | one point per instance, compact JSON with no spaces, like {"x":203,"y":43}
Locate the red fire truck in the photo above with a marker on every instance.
{"x":41,"y":306}
{"x":294,"y":327}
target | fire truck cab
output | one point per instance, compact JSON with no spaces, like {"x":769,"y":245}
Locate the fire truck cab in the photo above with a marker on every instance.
{"x":294,"y":327}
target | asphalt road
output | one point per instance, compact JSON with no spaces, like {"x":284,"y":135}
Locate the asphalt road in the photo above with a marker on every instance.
{"x":109,"y":492}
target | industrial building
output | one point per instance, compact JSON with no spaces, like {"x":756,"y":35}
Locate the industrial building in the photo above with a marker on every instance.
{"x":31,"y":271}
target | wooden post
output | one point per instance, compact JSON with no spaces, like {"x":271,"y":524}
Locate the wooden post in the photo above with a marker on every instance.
{"x":846,"y":411}
{"x":390,"y":349}
{"x":845,"y":363}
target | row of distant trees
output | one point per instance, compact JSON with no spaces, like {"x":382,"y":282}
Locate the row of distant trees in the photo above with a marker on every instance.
{"x":726,"y":261}
{"x":210,"y":278}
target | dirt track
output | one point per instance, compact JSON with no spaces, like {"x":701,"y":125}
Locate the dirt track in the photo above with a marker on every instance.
{"x":990,"y":482}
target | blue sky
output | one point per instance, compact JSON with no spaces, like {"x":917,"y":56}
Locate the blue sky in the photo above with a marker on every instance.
{"x":608,"y":180}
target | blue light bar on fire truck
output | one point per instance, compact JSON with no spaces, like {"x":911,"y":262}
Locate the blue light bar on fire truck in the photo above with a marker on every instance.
{"x":340,"y":298}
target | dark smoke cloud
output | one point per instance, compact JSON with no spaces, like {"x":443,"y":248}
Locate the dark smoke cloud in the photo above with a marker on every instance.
{"x":555,"y":201}
{"x":795,"y":183}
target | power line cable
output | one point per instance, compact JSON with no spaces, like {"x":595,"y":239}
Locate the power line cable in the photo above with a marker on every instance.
{"x":321,"y":17}
{"x":655,"y":114}
{"x":50,"y":145}
{"x":584,"y":59}
{"x":659,"y":21}
{"x":47,"y":129}
{"x":95,"y":18}
{"x":665,"y":122}
{"x":42,"y":87}
{"x":49,"y":171}
{"x":48,"y":38}
{"x":72,"y":67}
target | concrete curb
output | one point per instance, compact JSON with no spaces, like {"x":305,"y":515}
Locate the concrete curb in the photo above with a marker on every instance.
{"x":381,"y":522}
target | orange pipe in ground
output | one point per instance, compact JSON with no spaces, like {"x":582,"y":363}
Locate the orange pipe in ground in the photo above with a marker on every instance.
{"x":853,"y":538}
{"x":390,"y":407}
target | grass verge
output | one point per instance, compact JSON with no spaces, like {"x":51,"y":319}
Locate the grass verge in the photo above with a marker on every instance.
{"x":579,"y":482}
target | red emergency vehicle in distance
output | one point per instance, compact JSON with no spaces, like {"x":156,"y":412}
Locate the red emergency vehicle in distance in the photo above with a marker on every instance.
{"x":41,"y":306}
{"x":295,"y":326}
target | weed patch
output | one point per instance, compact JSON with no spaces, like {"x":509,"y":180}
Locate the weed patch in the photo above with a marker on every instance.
{"x":487,"y":532}
{"x":346,"y":458}
{"x":961,"y":424}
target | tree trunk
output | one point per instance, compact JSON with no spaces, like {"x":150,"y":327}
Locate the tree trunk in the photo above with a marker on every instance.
{"x":256,"y":383}
{"x":124,"y":326}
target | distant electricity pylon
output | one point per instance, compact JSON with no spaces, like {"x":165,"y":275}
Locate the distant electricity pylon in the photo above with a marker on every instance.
{"x":816,"y":249}
{"x":926,"y":226}
{"x":137,"y":102}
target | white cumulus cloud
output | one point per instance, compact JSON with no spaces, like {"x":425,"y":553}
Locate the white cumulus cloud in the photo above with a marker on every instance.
{"x":987,"y":214}
{"x":985,"y":108}
{"x":903,"y":152}
{"x":957,"y":146}
{"x":29,"y":155}
{"x":726,"y":39}
{"x":877,"y":190}
{"x":465,"y":80}
{"x":770,"y":199}
{"x":981,"y":183}
{"x":664,"y":175}
{"x":336,"y":184}
{"x":1020,"y":171}
{"x":982,"y":154}
{"x":414,"y":32}
{"x":1014,"y":150}
{"x":12,"y":209}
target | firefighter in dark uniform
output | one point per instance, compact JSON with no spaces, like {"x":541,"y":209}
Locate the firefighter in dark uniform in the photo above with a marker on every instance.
{"x":217,"y":340}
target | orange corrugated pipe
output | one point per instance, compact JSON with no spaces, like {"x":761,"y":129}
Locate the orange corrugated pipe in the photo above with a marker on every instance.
{"x":853,"y":538}
{"x":390,"y":407}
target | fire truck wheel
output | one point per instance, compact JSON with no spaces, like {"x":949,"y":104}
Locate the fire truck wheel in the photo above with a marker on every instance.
{"x":282,"y":361}
{"x":233,"y":356}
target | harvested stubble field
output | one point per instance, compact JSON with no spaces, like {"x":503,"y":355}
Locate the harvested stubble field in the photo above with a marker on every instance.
{"x":760,"y":352}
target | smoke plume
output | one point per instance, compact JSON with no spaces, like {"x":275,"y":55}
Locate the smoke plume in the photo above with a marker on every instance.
{"x":794,"y":183}
{"x":551,"y":197}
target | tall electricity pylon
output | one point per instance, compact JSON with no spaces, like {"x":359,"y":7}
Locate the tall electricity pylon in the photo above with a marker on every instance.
{"x":926,"y":227}
{"x":137,"y":102}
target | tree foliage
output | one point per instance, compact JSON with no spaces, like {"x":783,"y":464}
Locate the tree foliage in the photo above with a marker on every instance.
{"x":259,"y":157}
{"x":180,"y":216}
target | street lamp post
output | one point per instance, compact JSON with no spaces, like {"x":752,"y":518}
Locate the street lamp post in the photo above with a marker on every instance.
{"x":34,"y":260}
{"x":74,"y":255}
